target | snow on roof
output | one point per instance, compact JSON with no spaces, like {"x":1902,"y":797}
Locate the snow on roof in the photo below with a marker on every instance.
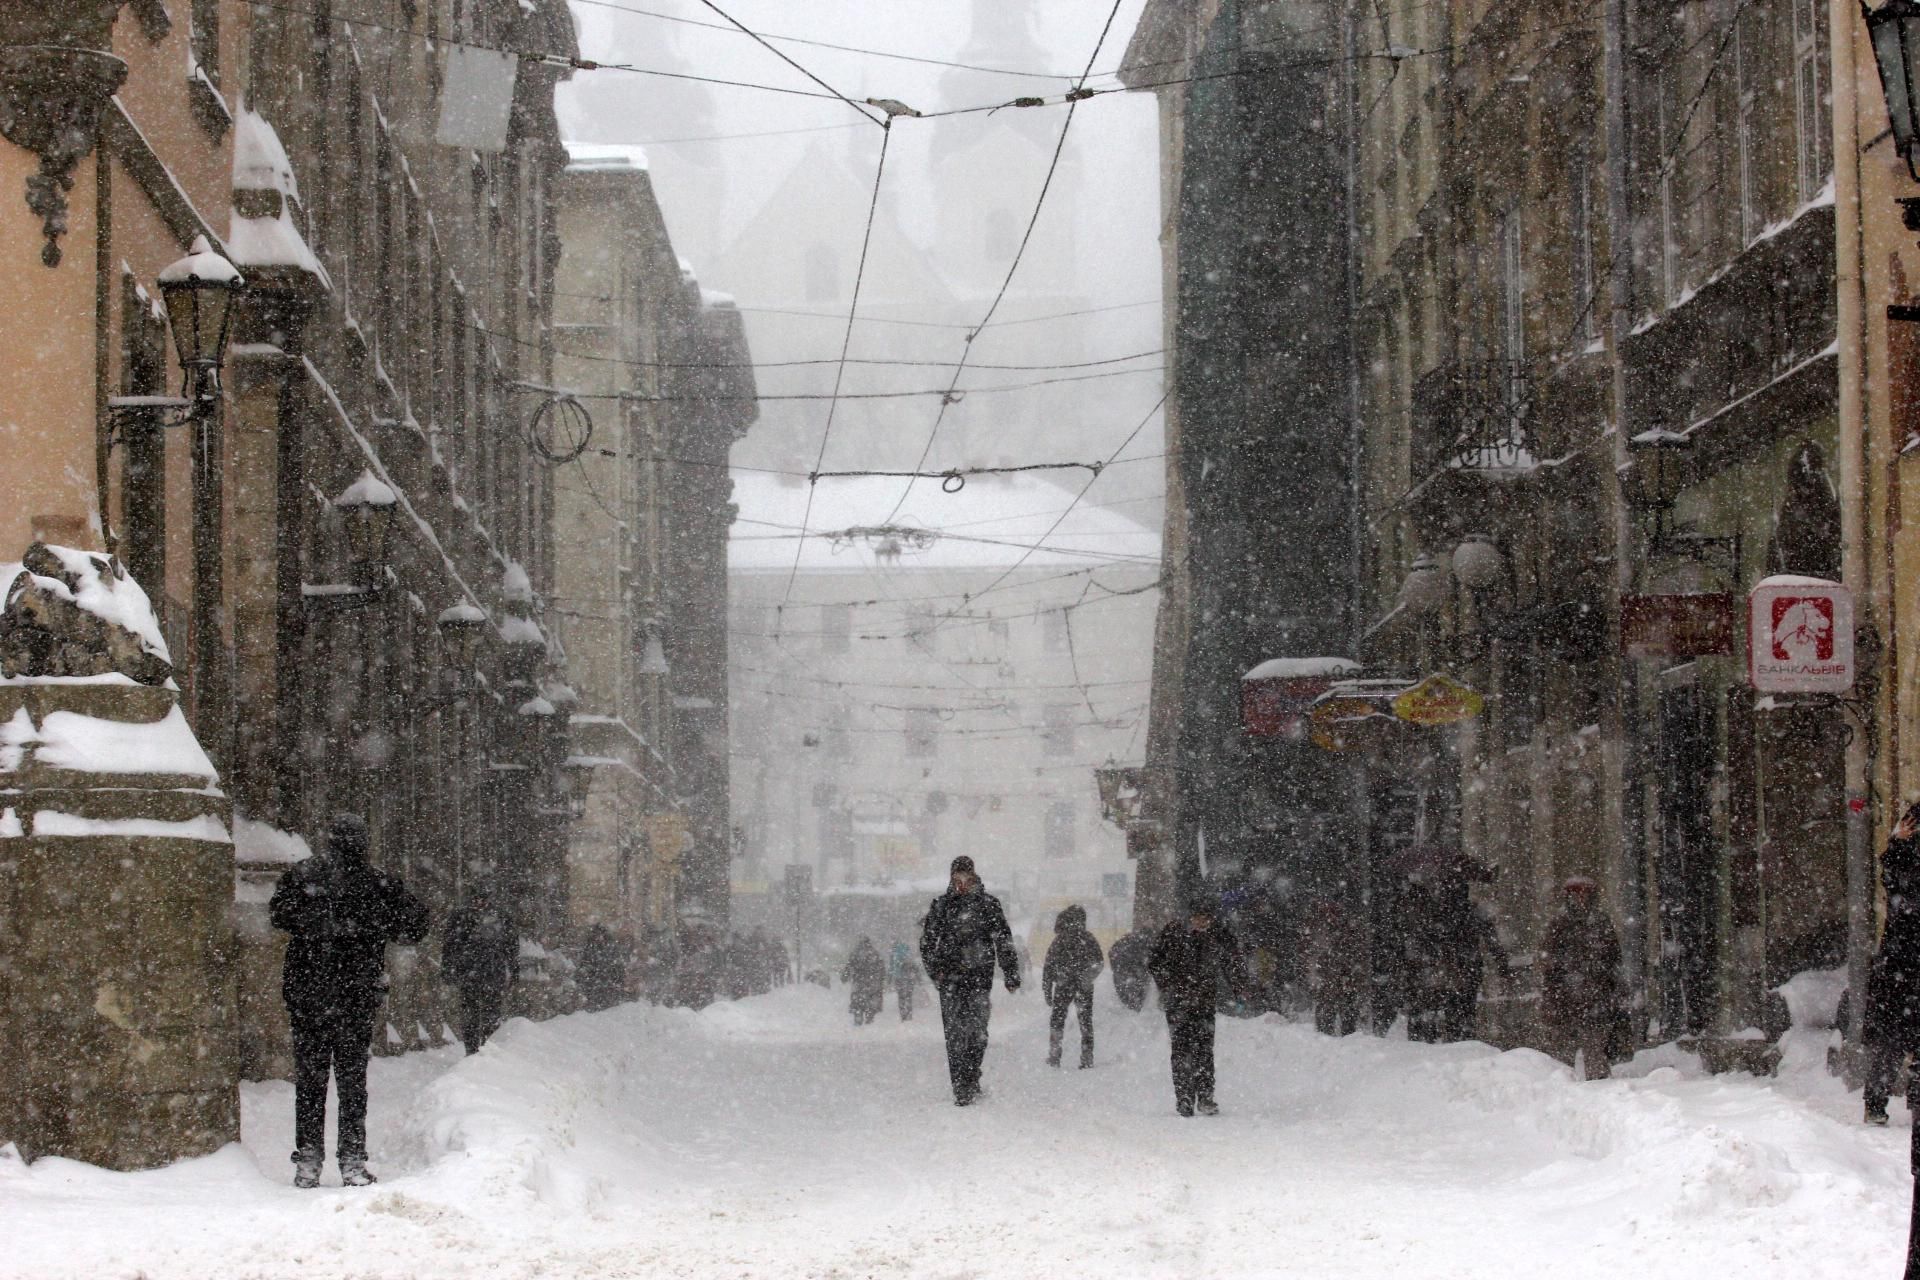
{"x":116,"y":598}
{"x":596,"y":157}
{"x":713,"y":299}
{"x":515,"y":630}
{"x":257,"y":842}
{"x":368,"y":491}
{"x":988,"y":524}
{"x":260,"y":162}
{"x":87,"y":744}
{"x":514,"y":582}
{"x":463,"y":612}
{"x":1302,"y":668}
{"x":201,"y":263}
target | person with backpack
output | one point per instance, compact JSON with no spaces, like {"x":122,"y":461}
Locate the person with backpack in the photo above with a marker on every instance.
{"x":1073,"y":961}
{"x":339,"y":914}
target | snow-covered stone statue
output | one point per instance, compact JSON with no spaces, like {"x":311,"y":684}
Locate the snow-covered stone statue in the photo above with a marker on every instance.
{"x":116,"y":880}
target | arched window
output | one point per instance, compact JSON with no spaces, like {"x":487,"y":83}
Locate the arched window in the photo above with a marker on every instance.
{"x":1806,"y":526}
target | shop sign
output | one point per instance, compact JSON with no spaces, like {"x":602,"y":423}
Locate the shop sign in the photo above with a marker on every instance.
{"x":1800,"y":636}
{"x":1337,"y":722}
{"x":1438,"y":700}
{"x":1276,"y":697}
{"x":1698,"y":625}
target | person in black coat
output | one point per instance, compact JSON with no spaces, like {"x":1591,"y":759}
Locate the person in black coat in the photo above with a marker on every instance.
{"x":1129,"y":960}
{"x":1892,"y":1021}
{"x":602,"y":975}
{"x":1066,"y":979}
{"x":965,"y":935}
{"x":340,"y":914}
{"x":866,"y":974}
{"x":1191,"y":959}
{"x":481,"y":957}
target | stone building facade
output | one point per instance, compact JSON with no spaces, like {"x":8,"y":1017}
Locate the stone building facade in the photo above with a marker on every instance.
{"x":347,"y":530}
{"x":1604,"y":378}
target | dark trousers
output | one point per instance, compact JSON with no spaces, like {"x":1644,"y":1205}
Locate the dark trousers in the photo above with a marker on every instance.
{"x":906,"y":1004}
{"x":1057,"y":1024}
{"x":480,"y":1005}
{"x":1336,"y":1013}
{"x":1191,"y":1031}
{"x":963,"y":1016}
{"x":335,"y":1042}
{"x":1884,"y":1055}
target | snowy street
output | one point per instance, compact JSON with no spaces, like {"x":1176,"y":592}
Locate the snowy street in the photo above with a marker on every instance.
{"x":769,"y":1138}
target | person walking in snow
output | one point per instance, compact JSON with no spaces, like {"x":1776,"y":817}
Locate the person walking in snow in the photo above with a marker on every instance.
{"x":1580,"y":979}
{"x":904,"y":972}
{"x":866,"y":974}
{"x":602,"y":975}
{"x":1892,"y":1014}
{"x":1191,"y":958}
{"x":1066,"y":979}
{"x":1129,"y":956}
{"x":1336,"y":969}
{"x":339,"y":915}
{"x":480,"y":955}
{"x":965,"y":935}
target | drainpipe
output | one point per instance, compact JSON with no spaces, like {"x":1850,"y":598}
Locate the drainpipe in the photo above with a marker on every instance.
{"x":1850,"y":336}
{"x":1633,"y":854}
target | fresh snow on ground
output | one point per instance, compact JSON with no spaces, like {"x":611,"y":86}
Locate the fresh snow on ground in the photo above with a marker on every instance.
{"x":770,"y":1138}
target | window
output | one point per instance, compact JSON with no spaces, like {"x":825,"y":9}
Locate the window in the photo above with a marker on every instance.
{"x":1513,"y":291}
{"x":1058,"y":736}
{"x":1059,"y":835}
{"x":998,"y":633}
{"x":143,"y":372}
{"x":1810,"y":96}
{"x":1747,"y":69}
{"x":835,"y":835}
{"x":1053,"y":630}
{"x":838,"y":739}
{"x":923,"y":730}
{"x":836,"y":628}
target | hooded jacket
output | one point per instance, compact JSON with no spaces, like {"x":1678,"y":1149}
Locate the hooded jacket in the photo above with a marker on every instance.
{"x":1073,"y":960}
{"x":341,"y":914}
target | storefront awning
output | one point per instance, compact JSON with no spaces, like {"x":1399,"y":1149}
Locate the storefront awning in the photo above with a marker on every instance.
{"x":1277,"y":696}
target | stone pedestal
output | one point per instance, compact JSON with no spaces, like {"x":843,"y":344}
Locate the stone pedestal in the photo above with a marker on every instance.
{"x":116,"y":889}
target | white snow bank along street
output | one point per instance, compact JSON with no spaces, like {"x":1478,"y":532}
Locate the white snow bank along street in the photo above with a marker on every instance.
{"x":769,"y":1138}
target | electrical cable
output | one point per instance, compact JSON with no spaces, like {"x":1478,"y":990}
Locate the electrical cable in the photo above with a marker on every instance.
{"x":952,"y":324}
{"x":1019,"y":253}
{"x":846,"y":343}
{"x":762,"y":42}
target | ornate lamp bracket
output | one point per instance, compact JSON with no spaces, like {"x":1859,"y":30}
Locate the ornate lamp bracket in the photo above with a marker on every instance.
{"x":51,"y":97}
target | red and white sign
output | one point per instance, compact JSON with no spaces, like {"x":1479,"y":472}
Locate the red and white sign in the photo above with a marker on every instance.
{"x":1800,"y":636}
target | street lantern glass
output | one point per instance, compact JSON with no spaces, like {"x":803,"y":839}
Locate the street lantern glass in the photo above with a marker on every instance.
{"x":1477,"y":562}
{"x":199,"y":291}
{"x":1895,"y":32}
{"x":367,"y":507}
{"x":575,"y":782}
{"x":1424,"y":592}
{"x":460,"y":628}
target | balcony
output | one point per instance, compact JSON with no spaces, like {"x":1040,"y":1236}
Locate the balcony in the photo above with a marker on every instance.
{"x":1473,"y":415}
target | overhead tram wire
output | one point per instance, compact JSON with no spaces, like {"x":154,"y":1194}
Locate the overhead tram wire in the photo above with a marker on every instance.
{"x":824,"y":44}
{"x":1026,"y":238}
{"x":952,"y":324}
{"x":762,"y":42}
{"x":846,"y":344}
{"x":1060,"y":519}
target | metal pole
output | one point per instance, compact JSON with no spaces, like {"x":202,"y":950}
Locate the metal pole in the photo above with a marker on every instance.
{"x":1620,"y":297}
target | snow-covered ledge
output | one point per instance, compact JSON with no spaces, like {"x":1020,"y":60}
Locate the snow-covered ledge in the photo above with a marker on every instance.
{"x":116,"y":855}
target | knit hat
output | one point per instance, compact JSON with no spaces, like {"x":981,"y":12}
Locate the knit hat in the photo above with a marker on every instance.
{"x":962,"y":863}
{"x":347,"y":836}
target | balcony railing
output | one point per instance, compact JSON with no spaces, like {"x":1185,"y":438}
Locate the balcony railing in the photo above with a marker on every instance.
{"x":1474,"y":415}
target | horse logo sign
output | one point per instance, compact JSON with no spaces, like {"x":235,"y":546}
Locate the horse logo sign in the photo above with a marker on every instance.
{"x":1800,"y":636}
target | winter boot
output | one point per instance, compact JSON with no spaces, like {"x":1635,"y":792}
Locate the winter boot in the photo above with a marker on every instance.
{"x":1086,"y":1059}
{"x":306,"y":1169}
{"x":1184,"y":1106}
{"x":354,"y":1172}
{"x":1207,"y":1107}
{"x":1053,"y":1056}
{"x":1877,"y":1115}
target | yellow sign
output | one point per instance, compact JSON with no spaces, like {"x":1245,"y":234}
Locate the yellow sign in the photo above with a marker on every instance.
{"x":1334,"y":721}
{"x":1438,"y":700}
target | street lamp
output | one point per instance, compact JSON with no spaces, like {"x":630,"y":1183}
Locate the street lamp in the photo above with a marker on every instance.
{"x":1424,"y":592}
{"x":460,"y":628}
{"x":1477,"y":562}
{"x":367,"y":506}
{"x":1894,"y":29}
{"x":573,"y":781}
{"x":199,"y":291}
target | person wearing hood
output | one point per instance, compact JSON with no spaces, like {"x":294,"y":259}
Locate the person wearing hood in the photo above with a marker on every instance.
{"x":1066,"y":979}
{"x":339,"y":914}
{"x":866,"y":974}
{"x":965,"y":936}
{"x":481,"y":957}
{"x":1580,"y":995}
{"x":1194,"y":955}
